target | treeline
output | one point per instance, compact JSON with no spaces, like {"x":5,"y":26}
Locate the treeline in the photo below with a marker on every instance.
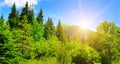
{"x":26,"y":39}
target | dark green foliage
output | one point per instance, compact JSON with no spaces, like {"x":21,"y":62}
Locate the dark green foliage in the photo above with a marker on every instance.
{"x":8,"y":51}
{"x":4,"y":32}
{"x":49,"y":29}
{"x":25,"y":11}
{"x":40,"y":17}
{"x":60,"y":33}
{"x":106,"y":42}
{"x":13,"y":17}
{"x":1,"y":20}
{"x":24,"y":40}
{"x":84,"y":54}
{"x":31,"y":15}
{"x":27,"y":40}
{"x":37,"y":31}
{"x":23,"y":22}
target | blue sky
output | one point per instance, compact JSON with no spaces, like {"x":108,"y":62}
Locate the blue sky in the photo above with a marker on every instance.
{"x":85,"y":13}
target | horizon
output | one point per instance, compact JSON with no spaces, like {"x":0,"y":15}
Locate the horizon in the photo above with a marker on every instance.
{"x":83,"y":13}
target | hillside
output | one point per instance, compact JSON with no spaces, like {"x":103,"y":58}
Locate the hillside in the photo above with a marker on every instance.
{"x":27,"y":39}
{"x":74,"y":32}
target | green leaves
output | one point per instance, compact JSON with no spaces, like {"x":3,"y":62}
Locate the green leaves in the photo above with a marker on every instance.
{"x":108,"y":42}
{"x":40,"y":17}
{"x":60,"y":33}
{"x":49,"y":29}
{"x":28,"y":40}
{"x":13,"y":17}
{"x":37,"y":31}
{"x":84,"y":54}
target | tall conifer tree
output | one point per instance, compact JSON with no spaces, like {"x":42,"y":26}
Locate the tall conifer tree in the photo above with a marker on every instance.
{"x":1,"y":20}
{"x":27,"y":12}
{"x":13,"y":17}
{"x":49,"y":28}
{"x":40,"y":16}
{"x":60,"y":33}
{"x":24,"y":11}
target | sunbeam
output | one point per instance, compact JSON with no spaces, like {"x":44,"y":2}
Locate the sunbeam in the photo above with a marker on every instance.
{"x":87,"y":22}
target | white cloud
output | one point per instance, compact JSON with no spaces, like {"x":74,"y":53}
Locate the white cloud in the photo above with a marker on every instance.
{"x":19,"y":3}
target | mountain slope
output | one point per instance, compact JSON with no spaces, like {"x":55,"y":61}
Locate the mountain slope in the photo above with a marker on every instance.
{"x":74,"y":32}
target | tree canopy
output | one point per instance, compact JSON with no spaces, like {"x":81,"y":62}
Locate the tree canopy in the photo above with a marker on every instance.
{"x":26,"y":39}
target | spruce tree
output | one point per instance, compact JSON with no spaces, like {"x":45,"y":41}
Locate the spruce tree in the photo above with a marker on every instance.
{"x":1,"y":20}
{"x":31,"y":16}
{"x":24,"y":11}
{"x":27,"y":12}
{"x":13,"y":17}
{"x":2,"y":17}
{"x":49,"y":29}
{"x":40,"y":17}
{"x":37,"y":31}
{"x":60,"y":33}
{"x":8,"y":52}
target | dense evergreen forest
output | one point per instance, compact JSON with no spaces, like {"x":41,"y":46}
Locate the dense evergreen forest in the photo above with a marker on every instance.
{"x":26,"y":39}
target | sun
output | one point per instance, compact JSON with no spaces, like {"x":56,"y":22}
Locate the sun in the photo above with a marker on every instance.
{"x":85,"y":25}
{"x":88,"y":18}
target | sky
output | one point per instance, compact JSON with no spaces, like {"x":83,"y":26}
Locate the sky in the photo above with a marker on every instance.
{"x":84,"y":13}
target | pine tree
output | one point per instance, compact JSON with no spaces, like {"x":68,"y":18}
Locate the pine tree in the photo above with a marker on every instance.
{"x":60,"y":33}
{"x":13,"y":17}
{"x":27,"y":12}
{"x":31,"y":16}
{"x":1,"y":20}
{"x":37,"y":31}
{"x":8,"y":52}
{"x":2,"y":17}
{"x":24,"y":11}
{"x":49,"y":28}
{"x":40,"y":17}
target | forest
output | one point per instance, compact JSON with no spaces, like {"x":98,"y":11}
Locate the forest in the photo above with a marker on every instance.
{"x":26,"y":39}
